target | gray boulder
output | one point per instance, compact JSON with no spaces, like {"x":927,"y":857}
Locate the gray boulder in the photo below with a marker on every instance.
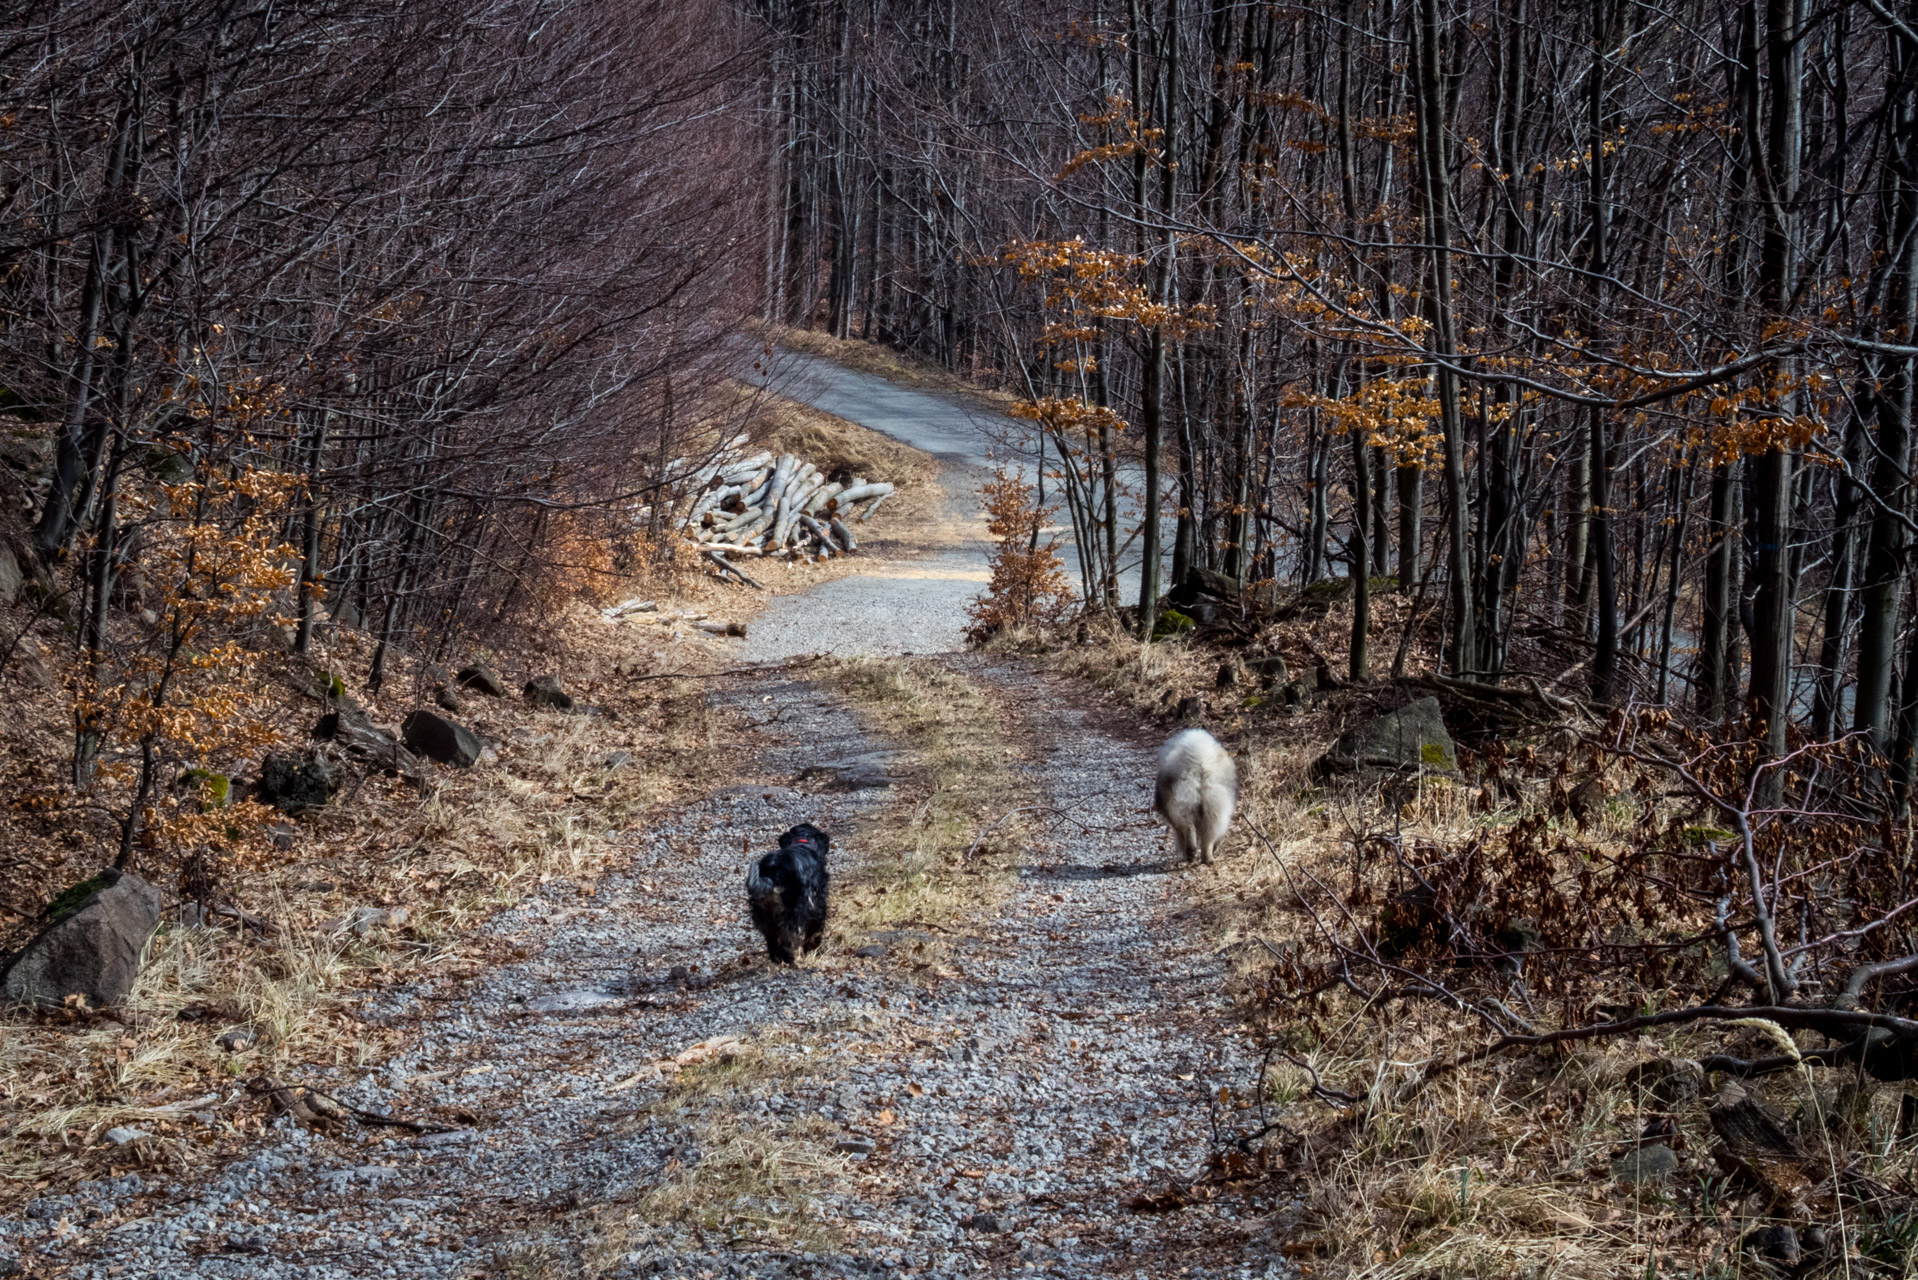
{"x":438,"y":738}
{"x":545,"y":691}
{"x":91,"y":945}
{"x":483,"y":678}
{"x":1408,"y":740}
{"x":295,"y":784}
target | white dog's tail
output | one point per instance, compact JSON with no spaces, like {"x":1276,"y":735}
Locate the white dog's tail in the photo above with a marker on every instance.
{"x":1197,"y":790}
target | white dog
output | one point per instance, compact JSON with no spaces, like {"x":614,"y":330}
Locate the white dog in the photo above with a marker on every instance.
{"x":1198,"y":789}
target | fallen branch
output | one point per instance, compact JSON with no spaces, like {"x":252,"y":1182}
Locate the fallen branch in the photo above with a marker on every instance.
{"x":720,"y":561}
{"x":318,"y":1110}
{"x":1791,"y":1017}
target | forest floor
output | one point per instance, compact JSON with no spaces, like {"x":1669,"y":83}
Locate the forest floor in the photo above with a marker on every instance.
{"x":1014,"y":1055}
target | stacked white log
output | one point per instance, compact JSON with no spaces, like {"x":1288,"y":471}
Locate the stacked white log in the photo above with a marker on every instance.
{"x":768,"y":506}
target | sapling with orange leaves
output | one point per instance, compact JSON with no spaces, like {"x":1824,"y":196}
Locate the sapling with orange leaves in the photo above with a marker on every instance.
{"x":173,"y":695}
{"x":1028,"y":584}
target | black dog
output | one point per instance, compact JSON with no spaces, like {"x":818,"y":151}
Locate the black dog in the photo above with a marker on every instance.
{"x":787,"y":890}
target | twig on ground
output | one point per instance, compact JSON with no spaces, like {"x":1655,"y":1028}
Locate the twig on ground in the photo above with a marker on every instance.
{"x":1024,"y":808}
{"x":317,"y":1109}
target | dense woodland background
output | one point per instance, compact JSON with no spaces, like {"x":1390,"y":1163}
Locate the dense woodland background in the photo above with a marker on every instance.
{"x":1593,"y":321}
{"x":1588,"y":324}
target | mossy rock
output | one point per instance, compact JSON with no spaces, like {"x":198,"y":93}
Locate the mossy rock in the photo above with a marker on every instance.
{"x":216,"y":789}
{"x":1705,"y":835}
{"x":70,"y":902}
{"x":1172,"y":623}
{"x":1411,"y":740}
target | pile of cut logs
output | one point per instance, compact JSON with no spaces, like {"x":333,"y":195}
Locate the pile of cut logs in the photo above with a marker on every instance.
{"x":770,"y":505}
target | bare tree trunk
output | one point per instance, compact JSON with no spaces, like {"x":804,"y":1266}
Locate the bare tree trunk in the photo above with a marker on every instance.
{"x":1359,"y":669}
{"x":1773,"y":470}
{"x":310,"y":537}
{"x":1887,"y":543}
{"x":1411,"y":493}
{"x":1437,"y":191}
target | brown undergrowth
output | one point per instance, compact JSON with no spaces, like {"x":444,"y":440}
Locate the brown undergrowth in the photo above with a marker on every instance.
{"x":1509,"y":1166}
{"x":449,"y":849}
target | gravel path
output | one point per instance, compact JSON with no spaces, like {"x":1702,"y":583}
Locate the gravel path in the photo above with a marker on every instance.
{"x":914,"y":602}
{"x":977,"y":1102}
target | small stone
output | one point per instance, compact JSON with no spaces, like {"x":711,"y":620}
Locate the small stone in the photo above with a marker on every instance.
{"x":1268,"y":671}
{"x":483,"y":678}
{"x":987,"y":1222}
{"x":616,"y":760}
{"x":572,"y":1001}
{"x":238,"y":1040}
{"x":870,"y":953}
{"x":282,"y":834}
{"x":544,"y":691}
{"x":1777,"y":1244}
{"x":451,"y":1138}
{"x":447,"y":699}
{"x":438,"y":738}
{"x":1645,"y":1164}
{"x":854,"y":1146}
{"x":120,"y":1135}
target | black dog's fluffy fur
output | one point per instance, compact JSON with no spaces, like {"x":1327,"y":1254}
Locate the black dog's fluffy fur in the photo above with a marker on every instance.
{"x":787,"y":890}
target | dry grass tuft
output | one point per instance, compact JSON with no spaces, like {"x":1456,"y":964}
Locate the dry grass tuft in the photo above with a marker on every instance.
{"x":922,"y":866}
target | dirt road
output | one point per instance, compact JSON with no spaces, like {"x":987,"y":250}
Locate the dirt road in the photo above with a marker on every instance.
{"x":1001,"y":1092}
